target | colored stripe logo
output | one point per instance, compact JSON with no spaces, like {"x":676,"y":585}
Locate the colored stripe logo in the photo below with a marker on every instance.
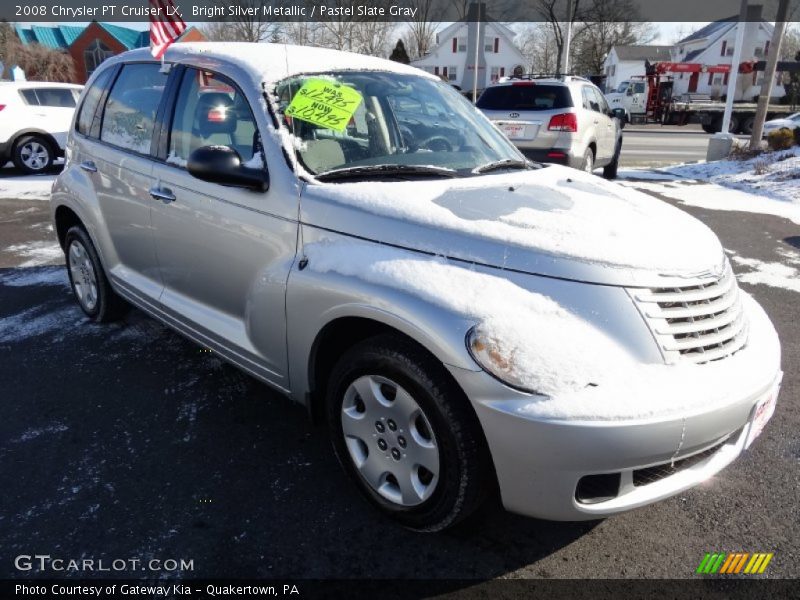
{"x":734,"y":563}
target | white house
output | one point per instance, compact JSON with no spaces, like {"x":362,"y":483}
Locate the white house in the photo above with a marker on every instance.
{"x":454,"y":56}
{"x":714,"y":45}
{"x":711,"y":45}
{"x":623,"y":62}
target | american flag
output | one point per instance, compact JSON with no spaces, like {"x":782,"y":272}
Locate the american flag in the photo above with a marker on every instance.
{"x":165,"y":27}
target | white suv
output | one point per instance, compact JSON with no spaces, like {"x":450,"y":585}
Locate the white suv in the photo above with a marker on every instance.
{"x":34,"y":119}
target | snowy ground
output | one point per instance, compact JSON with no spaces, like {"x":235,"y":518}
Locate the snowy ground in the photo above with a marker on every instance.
{"x":25,"y":187}
{"x":767,"y":184}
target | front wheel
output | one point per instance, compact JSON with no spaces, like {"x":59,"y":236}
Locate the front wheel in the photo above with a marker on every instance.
{"x":406,"y":434}
{"x":87,"y":279}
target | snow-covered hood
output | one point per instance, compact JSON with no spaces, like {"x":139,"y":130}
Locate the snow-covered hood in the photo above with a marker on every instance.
{"x":552,"y":221}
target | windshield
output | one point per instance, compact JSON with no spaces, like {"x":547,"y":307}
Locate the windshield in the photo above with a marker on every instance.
{"x":622,"y":87}
{"x":391,"y":123}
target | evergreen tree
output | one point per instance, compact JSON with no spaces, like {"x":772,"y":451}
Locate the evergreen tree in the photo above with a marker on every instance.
{"x":399,"y":53}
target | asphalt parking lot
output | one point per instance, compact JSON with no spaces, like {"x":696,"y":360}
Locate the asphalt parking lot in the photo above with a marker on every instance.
{"x":128,"y":441}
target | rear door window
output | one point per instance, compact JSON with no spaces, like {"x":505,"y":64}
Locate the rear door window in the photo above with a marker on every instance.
{"x":590,"y":100}
{"x":130,"y":111}
{"x":525,"y":96}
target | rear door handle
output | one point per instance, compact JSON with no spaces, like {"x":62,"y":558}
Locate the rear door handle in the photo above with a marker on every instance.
{"x":89,"y":165}
{"x":163,"y":194}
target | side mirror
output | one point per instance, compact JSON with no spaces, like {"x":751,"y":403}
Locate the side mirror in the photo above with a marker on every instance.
{"x":619,"y":113}
{"x":223,"y":165}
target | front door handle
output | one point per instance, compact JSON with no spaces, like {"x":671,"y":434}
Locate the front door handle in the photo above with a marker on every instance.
{"x":88,"y":165}
{"x":163,"y":194}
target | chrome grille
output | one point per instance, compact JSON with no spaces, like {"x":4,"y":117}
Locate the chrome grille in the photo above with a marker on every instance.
{"x":698,"y":323}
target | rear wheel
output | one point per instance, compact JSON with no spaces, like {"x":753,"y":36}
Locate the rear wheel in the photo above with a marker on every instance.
{"x":406,"y":434}
{"x":32,"y":154}
{"x":88,"y":280}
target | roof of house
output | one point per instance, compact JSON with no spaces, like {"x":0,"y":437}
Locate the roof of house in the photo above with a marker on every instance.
{"x":650,"y":53}
{"x":61,"y":37}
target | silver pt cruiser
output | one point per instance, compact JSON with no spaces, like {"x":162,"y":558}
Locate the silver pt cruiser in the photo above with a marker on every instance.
{"x":355,"y":234}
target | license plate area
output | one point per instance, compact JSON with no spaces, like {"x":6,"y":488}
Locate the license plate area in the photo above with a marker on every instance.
{"x":762,"y":413}
{"x":519,"y":131}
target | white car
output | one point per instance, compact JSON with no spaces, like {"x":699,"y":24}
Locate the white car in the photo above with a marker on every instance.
{"x":790,"y":122}
{"x":34,"y":119}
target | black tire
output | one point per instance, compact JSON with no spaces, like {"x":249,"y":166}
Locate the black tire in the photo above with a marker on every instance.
{"x":610,"y":170}
{"x":108,"y":306}
{"x":588,"y":155}
{"x":32,"y":154}
{"x":465,"y":472}
{"x":747,"y":125}
{"x":709,"y":128}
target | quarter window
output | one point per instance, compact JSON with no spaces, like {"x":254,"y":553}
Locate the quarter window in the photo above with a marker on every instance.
{"x":89,"y":107}
{"x":130,"y":112}
{"x":211,"y":111}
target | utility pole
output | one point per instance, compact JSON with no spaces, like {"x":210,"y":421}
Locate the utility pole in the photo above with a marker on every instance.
{"x":477,"y":53}
{"x":769,"y":73}
{"x":567,"y":38}
{"x":733,"y":77}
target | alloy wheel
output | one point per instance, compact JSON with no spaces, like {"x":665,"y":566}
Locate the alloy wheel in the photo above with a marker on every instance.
{"x":34,"y":155}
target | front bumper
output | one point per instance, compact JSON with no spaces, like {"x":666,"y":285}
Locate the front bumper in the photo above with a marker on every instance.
{"x":569,"y":470}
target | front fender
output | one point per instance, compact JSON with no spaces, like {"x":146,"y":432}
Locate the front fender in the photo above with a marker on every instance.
{"x":314,"y":300}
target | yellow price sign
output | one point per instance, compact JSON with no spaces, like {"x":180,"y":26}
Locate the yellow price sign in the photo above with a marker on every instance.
{"x":324,"y":103}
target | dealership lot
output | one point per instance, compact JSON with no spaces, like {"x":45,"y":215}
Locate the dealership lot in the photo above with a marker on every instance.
{"x":127,"y":441}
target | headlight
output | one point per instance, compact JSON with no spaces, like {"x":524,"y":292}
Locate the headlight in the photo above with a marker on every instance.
{"x":495,"y":359}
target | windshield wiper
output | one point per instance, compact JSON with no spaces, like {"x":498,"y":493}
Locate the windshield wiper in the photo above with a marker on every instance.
{"x":506,"y":163}
{"x":391,"y":170}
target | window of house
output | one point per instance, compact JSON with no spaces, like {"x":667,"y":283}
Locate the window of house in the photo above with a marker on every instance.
{"x":462,"y":44}
{"x":722,"y":50}
{"x":717,"y":80}
{"x":130,"y":111}
{"x":495,"y":74}
{"x":729,"y":51}
{"x":759,"y":52}
{"x":95,"y":53}
{"x":452,"y":73}
{"x":211,"y":111}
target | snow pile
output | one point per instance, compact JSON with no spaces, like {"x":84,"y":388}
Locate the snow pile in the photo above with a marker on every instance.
{"x":26,"y":187}
{"x":555,"y":210}
{"x":772,"y":174}
{"x":34,"y":276}
{"x":529,"y":328}
{"x":579,"y":372}
{"x":773,"y":274}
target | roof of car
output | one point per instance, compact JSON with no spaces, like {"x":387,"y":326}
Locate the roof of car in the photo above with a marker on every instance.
{"x":273,"y":62}
{"x":38,"y":84}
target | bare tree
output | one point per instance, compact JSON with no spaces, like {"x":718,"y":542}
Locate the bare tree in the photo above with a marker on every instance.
{"x":255,"y":28}
{"x":537,"y":44}
{"x":303,"y":33}
{"x":595,"y":40}
{"x":6,"y":35}
{"x":556,"y":20}
{"x":421,"y":34}
{"x":373,"y":37}
{"x":39,"y":62}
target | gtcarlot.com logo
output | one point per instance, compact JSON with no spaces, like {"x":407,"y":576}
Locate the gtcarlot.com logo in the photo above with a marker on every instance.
{"x":734,"y":563}
{"x":44,"y":563}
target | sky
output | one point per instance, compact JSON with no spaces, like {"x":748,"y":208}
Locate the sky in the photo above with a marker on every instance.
{"x":667,"y":32}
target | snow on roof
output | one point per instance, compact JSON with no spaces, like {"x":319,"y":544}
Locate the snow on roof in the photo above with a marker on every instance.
{"x":273,"y":62}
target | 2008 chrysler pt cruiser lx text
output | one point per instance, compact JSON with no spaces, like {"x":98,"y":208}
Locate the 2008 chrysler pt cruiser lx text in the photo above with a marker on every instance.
{"x":354,"y":233}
